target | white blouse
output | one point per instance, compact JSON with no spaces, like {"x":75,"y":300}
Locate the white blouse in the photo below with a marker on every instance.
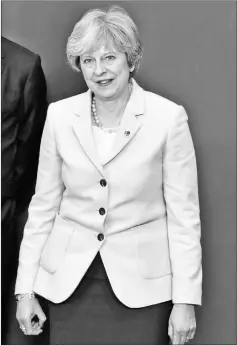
{"x":104,"y":142}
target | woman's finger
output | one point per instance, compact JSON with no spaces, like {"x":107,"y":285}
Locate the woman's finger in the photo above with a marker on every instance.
{"x":28,"y":327}
{"x":183,"y":338}
{"x":22,"y":327}
{"x":176,"y":338}
{"x":170,"y":331}
{"x":192,"y":333}
{"x":36,"y":328}
{"x":36,"y":331}
{"x":41,"y":316}
{"x":34,"y":325}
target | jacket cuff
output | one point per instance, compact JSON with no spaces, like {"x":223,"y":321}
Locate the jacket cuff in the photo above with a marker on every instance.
{"x":186,"y":291}
{"x":25,"y":279}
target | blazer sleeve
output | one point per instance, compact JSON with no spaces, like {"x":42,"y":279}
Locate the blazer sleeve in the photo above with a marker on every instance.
{"x":183,"y":216}
{"x":43,"y":208}
{"x":31,"y":123}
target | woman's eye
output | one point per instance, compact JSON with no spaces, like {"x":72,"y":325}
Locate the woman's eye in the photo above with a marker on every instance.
{"x":87,"y":61}
{"x":110,"y":57}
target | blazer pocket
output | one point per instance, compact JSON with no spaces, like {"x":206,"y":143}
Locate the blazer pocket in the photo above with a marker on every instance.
{"x":153,"y":251}
{"x":56,"y":245}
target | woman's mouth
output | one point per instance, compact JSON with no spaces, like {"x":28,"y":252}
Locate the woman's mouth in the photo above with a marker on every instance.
{"x":104,"y":82}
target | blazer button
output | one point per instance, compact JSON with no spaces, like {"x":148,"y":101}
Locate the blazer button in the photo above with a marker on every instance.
{"x":101,"y":211}
{"x":100,"y":237}
{"x":127,"y":133}
{"x":103,"y":183}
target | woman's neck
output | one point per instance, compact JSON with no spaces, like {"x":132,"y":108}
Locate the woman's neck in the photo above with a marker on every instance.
{"x":110,"y":112}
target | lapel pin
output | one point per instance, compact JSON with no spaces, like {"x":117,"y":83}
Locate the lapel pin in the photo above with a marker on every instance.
{"x":126,"y":133}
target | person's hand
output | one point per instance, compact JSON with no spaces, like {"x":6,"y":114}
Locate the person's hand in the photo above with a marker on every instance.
{"x":27,"y":309}
{"x":182,"y":323}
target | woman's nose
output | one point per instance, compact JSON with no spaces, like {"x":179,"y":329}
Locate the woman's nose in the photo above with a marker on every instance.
{"x":99,"y":68}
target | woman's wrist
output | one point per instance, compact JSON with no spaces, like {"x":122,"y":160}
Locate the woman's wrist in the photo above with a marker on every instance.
{"x":184,"y":306}
{"x":27,"y":295}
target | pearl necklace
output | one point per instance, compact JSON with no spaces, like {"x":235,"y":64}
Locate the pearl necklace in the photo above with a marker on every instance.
{"x":97,"y":120}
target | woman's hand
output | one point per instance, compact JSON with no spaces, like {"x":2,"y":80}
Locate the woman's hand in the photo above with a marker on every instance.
{"x":26,"y":310}
{"x":182,"y":323}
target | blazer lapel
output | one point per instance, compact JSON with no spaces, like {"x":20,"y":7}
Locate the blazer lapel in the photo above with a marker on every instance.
{"x":82,"y":127}
{"x":129,"y":126}
{"x":130,"y":123}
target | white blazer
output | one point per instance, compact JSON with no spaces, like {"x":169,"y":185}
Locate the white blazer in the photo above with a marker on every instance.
{"x":144,"y":221}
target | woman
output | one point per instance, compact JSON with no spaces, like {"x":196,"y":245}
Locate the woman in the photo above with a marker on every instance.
{"x":113,"y":234}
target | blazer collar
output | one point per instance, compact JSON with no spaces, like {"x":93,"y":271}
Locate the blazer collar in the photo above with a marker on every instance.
{"x":129,"y":125}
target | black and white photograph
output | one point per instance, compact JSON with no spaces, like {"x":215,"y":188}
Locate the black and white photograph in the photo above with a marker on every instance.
{"x":118,"y":172}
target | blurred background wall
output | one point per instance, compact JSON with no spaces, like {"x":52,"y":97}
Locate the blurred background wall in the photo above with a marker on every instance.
{"x":190,"y":58}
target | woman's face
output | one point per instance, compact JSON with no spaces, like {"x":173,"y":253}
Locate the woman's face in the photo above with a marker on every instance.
{"x":106,"y":72}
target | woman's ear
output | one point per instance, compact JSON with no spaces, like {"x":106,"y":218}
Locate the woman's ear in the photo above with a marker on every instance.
{"x":131,"y":69}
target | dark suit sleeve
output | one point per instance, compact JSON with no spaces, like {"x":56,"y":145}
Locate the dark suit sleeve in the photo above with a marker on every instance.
{"x":29,"y":134}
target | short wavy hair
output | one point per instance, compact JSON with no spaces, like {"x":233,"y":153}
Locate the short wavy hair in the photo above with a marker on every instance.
{"x":100,"y":26}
